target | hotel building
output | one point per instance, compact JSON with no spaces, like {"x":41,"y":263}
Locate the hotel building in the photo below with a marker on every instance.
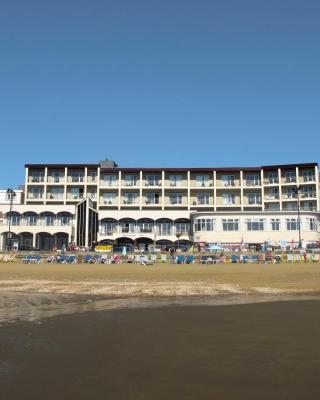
{"x":139,"y":206}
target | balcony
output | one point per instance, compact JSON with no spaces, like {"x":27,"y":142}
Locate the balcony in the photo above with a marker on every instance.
{"x":56,"y":179}
{"x":36,"y":179}
{"x":130,"y":202}
{"x":252,"y":183}
{"x":272,"y":197}
{"x":271,"y":181}
{"x":52,"y":196}
{"x":310,"y":195}
{"x":152,"y":183}
{"x":35,"y":196}
{"x":79,"y":196}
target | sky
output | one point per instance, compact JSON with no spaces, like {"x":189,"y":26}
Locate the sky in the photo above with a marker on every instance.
{"x":170,"y":83}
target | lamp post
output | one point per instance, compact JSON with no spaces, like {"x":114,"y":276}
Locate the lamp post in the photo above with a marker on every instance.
{"x":11,"y":195}
{"x":297,"y":192}
{"x":178,"y":235}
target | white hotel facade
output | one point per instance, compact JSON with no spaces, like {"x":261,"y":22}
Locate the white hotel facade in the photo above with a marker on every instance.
{"x":139,"y":206}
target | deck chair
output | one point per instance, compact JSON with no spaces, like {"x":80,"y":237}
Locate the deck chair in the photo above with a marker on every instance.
{"x":27,"y":259}
{"x":87,"y":259}
{"x":245,"y":259}
{"x":190,"y":260}
{"x":180,"y":260}
{"x":254,"y":259}
{"x":36,"y":260}
{"x":163,"y":258}
{"x":71,"y":259}
{"x":290,"y":257}
{"x":234,"y":259}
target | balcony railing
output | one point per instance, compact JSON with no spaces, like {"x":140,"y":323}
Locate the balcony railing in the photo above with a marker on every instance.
{"x":52,"y":196}
{"x":25,"y":222}
{"x":271,"y":181}
{"x":35,"y":196}
{"x":136,"y":230}
{"x":36,"y":179}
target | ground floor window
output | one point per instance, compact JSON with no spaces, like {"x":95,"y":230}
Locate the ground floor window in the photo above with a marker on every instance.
{"x":255,"y":224}
{"x":204,"y":224}
{"x":230,"y":224}
{"x":292,"y":224}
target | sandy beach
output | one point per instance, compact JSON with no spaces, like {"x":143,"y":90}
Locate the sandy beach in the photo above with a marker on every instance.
{"x":130,"y":331}
{"x":160,"y":279}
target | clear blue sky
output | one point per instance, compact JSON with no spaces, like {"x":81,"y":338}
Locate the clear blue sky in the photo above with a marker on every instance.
{"x":158,"y":83}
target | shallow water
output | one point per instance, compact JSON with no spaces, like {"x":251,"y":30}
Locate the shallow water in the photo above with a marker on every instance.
{"x":21,"y":306}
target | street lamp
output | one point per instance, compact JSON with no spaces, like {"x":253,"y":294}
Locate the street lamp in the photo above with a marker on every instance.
{"x":178,"y":235}
{"x":11,"y":195}
{"x":297,"y":191}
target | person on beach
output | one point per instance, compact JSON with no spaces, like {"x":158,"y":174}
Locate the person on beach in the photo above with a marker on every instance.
{"x":172,"y":252}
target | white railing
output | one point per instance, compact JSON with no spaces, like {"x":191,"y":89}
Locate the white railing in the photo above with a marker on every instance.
{"x":136,"y":230}
{"x":24,"y":222}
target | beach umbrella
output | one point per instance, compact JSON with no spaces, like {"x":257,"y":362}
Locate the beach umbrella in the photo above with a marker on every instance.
{"x":124,"y":251}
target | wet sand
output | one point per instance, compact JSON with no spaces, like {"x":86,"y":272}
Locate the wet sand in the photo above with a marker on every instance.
{"x":140,"y":345}
{"x":254,"y":351}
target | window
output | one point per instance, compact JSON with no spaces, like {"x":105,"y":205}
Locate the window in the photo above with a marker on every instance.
{"x":15,"y":218}
{"x":108,"y":228}
{"x":290,"y":176}
{"x":254,"y":198}
{"x":76,"y":193}
{"x":146,"y":227}
{"x":308,"y":176}
{"x":48,"y":219}
{"x":204,"y":224}
{"x":230,"y":224}
{"x":55,"y":194}
{"x":183,"y":227}
{"x":272,"y":207}
{"x":109,"y":198}
{"x":56,"y":176}
{"x":31,"y":219}
{"x":272,"y":194}
{"x":255,"y":224}
{"x":164,"y":228}
{"x":37,"y":176}
{"x":152,"y":180}
{"x":290,"y":206}
{"x":228,"y":180}
{"x":127,"y":227}
{"x":152,"y":198}
{"x":203,"y":198}
{"x":275,"y":224}
{"x":77,"y":176}
{"x":92,"y":176}
{"x":252,"y":180}
{"x":35,"y":193}
{"x":64,"y":219}
{"x":308,"y":191}
{"x":292,"y":224}
{"x":272,"y":177}
{"x":130,"y":198}
{"x":130,"y":180}
{"x":228,"y":199}
{"x":175,"y":180}
{"x":202,"y":180}
{"x":110,"y":180}
{"x":312,"y":223}
{"x":175,"y":198}
{"x":290,"y":193}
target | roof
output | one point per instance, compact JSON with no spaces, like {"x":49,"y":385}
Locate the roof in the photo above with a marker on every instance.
{"x":182,"y":169}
